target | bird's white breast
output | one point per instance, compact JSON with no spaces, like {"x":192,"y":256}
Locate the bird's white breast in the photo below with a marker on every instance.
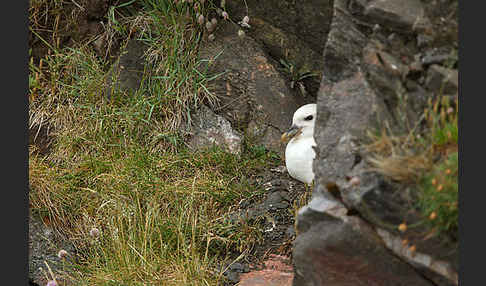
{"x":299,"y":156}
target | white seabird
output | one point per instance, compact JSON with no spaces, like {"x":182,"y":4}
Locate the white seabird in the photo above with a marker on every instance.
{"x":299,"y":153}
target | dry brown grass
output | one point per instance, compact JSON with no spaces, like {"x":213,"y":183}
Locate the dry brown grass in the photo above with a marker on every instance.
{"x":406,"y":169}
{"x":396,"y":157}
{"x":408,"y":156}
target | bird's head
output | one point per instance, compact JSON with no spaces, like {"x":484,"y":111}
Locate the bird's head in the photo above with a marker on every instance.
{"x":302,"y":122}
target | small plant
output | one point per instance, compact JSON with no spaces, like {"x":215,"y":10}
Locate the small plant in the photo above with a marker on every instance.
{"x":296,"y":77}
{"x":441,"y":118}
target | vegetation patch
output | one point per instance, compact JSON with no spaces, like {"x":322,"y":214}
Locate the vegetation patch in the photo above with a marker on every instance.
{"x":426,"y":158}
{"x":119,"y":181}
{"x":162,"y":216}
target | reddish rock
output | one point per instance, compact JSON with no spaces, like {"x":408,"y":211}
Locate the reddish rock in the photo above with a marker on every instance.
{"x":277,"y":272}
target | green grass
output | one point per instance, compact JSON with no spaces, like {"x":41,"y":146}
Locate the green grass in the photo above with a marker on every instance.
{"x":173,"y":79}
{"x":439,"y":195}
{"x":439,"y":185}
{"x":119,"y":163}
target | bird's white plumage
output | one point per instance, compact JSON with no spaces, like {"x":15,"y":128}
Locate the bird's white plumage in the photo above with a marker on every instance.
{"x":299,"y":154}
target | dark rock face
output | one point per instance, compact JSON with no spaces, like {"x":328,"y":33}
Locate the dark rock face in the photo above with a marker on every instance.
{"x":385,"y":205}
{"x":253,"y":94}
{"x":341,"y":54}
{"x":309,"y":20}
{"x":333,"y":248}
{"x":349,"y":236}
{"x":343,"y":113}
{"x":290,"y":30}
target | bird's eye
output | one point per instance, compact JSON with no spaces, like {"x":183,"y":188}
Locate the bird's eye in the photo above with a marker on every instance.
{"x":310,"y":117}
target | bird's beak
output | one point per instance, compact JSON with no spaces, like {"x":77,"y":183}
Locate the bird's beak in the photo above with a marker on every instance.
{"x":291,"y":133}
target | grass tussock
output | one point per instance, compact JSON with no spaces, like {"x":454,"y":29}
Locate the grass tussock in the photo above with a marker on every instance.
{"x":428,"y":160}
{"x":161,"y":216}
{"x":173,"y":84}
